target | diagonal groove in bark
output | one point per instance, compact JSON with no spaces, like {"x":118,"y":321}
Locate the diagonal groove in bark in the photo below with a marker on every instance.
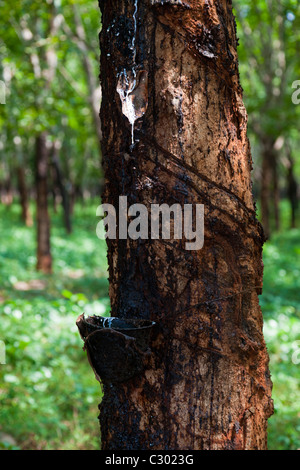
{"x":244,"y":226}
{"x":217,"y":299}
{"x":203,"y":177}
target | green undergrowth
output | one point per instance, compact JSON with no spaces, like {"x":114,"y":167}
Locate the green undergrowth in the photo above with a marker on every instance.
{"x":281,"y":308}
{"x":48,"y":393}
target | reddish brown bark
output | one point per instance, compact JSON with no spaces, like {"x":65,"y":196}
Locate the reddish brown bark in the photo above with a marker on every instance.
{"x":206,"y":384}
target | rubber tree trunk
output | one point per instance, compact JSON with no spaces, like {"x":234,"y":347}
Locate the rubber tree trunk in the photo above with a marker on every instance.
{"x":270,"y":190}
{"x":265,"y":194}
{"x":276,"y":193}
{"x":61,"y":183}
{"x":7,"y":196}
{"x":44,"y":259}
{"x":206,"y":384}
{"x":292,"y":189}
{"x":23,"y":192}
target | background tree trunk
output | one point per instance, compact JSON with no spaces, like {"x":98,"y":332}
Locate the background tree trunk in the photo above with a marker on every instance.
{"x":61,"y":183}
{"x":276,"y":192}
{"x":269,"y":187}
{"x":7,"y":196}
{"x":23,"y":192}
{"x":292,"y":187}
{"x":44,"y":259}
{"x":207,"y":383}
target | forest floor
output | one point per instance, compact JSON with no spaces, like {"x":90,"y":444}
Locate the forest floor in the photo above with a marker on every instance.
{"x":48,"y":393}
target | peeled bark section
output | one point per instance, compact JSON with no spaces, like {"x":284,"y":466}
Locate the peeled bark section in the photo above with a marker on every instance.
{"x":207,"y":383}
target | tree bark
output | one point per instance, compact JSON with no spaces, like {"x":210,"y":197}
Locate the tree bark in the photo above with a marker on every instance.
{"x":292,"y":189}
{"x":26,"y":215}
{"x":276,"y":193}
{"x":206,"y":384}
{"x":267,"y":178}
{"x":44,"y":259}
{"x":59,"y":180}
{"x":7,"y":197}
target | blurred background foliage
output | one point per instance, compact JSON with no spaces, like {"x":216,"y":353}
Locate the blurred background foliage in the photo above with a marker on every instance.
{"x":49,"y":62}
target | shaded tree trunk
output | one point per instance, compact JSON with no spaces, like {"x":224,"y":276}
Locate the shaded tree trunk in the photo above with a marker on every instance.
{"x":26,"y":216}
{"x":269,"y":187}
{"x":206,"y":384}
{"x":276,"y":193}
{"x":59,"y":180}
{"x":292,"y":191}
{"x":44,"y":259}
{"x":7,"y":197}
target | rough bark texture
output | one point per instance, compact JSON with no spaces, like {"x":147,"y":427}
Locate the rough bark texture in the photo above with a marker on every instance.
{"x":44,"y":259}
{"x":207,"y":384}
